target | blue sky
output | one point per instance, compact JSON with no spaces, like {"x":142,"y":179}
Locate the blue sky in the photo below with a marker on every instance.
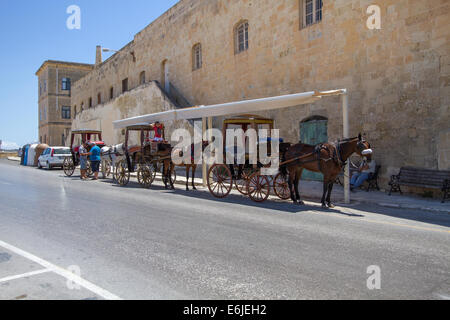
{"x":35,"y":31}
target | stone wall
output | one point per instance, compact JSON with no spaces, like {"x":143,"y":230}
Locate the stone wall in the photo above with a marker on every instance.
{"x":145,"y":99}
{"x":398,"y":77}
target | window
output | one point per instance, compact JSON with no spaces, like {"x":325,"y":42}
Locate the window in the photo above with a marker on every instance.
{"x":111,"y":93}
{"x":61,"y":150}
{"x":99,"y":98}
{"x":74,"y":111}
{"x":197,"y":57}
{"x":63,"y":140}
{"x":125,"y":85}
{"x":82,"y":107}
{"x":40,"y":89}
{"x":241,"y":37}
{"x":40,"y":116}
{"x":311,"y":12}
{"x":45,"y":85}
{"x":90,"y":102}
{"x":142,"y":77}
{"x":65,"y":112}
{"x":65,"y":84}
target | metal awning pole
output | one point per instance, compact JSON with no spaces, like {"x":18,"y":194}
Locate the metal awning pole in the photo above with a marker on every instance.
{"x":204,"y":168}
{"x":346,"y":135}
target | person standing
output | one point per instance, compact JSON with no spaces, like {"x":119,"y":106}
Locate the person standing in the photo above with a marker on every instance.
{"x":94,"y":155}
{"x":366,"y":168}
{"x":83,"y":160}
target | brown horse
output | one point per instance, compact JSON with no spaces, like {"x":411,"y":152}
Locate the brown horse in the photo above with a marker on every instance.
{"x":189,"y":166}
{"x":164,"y":153}
{"x":327,"y":158}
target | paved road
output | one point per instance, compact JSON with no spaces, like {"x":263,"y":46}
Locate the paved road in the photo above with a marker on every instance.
{"x":133,"y":243}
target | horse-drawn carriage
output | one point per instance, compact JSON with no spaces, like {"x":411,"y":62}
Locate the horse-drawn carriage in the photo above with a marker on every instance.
{"x":328,"y":158}
{"x":84,"y":135}
{"x":244,"y":176}
{"x":147,"y":158}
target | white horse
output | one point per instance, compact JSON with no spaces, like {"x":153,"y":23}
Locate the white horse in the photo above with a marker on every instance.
{"x":109,"y":158}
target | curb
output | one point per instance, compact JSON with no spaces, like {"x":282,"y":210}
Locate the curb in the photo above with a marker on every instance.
{"x":14,"y":159}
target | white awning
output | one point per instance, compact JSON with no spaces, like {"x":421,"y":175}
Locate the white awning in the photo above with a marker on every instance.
{"x":230,"y":108}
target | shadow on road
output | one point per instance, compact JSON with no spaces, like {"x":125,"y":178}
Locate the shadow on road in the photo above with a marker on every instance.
{"x":440,"y":219}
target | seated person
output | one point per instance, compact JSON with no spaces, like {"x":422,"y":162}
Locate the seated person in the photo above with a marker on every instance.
{"x":158,"y":128}
{"x":366,"y":168}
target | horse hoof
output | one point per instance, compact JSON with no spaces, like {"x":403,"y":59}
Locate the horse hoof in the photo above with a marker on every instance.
{"x":301,"y":203}
{"x":330,"y":205}
{"x":324,"y":206}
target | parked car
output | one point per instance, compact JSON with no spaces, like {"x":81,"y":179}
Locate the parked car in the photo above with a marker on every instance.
{"x":53,"y":157}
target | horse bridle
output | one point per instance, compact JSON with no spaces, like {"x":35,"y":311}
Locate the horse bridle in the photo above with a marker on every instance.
{"x":361,"y":147}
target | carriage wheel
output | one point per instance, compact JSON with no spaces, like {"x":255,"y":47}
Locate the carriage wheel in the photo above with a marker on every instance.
{"x":68,"y":166}
{"x":258,"y":187}
{"x":241,"y":184}
{"x":145,"y":175}
{"x":122,"y":175}
{"x":281,"y":187}
{"x":220,"y":181}
{"x":106,"y":169}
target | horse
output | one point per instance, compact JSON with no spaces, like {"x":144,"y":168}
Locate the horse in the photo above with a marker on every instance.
{"x":327,"y":158}
{"x":164,"y":151}
{"x":192,"y":166}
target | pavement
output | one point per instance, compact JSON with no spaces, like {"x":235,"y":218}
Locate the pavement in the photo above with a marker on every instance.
{"x":312,"y":190}
{"x":63,"y":238}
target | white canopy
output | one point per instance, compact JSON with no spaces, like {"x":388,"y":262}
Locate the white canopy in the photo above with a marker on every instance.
{"x":246,"y":107}
{"x":230,"y":108}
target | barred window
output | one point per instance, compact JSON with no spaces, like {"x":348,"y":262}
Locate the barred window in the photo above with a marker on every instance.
{"x":311,"y":12}
{"x":197,"y":57}
{"x":65,"y":112}
{"x":65,"y":84}
{"x":142,"y":77}
{"x":241,"y":35}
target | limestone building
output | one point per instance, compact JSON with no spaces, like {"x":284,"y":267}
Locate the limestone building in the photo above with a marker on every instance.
{"x":204,"y":52}
{"x":55,"y":79}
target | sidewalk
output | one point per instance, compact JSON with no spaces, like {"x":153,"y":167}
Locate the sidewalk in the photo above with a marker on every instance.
{"x":312,"y":190}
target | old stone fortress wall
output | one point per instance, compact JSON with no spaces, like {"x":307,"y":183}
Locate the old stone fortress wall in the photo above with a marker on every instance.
{"x":398,"y":78}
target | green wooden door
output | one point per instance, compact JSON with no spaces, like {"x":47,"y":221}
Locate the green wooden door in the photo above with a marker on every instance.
{"x":313,"y":132}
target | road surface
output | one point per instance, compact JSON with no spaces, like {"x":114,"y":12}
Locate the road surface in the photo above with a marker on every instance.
{"x":62,"y":238}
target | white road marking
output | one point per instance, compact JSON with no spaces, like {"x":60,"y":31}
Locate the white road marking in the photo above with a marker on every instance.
{"x":62,"y":272}
{"x":25,"y":275}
